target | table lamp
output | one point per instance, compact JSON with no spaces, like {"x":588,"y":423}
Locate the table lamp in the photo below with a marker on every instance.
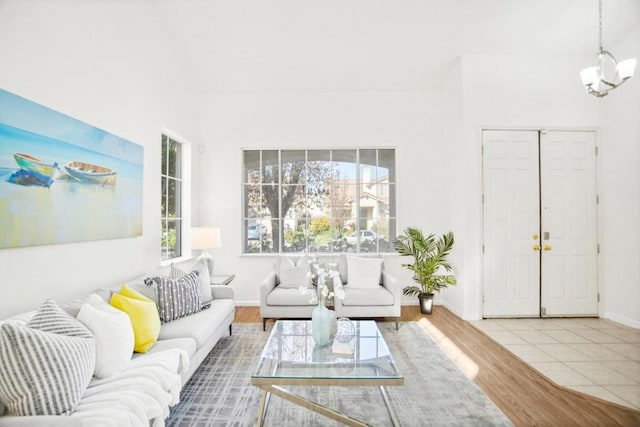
{"x":206,"y":238}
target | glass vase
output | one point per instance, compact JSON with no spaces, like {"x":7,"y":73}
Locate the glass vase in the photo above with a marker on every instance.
{"x":322,"y":320}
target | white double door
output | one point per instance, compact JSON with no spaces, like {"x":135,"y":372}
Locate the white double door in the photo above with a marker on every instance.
{"x":539,"y":223}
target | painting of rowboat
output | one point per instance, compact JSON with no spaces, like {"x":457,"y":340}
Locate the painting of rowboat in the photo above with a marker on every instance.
{"x":86,"y":172}
{"x":33,"y":171}
{"x":53,"y":168}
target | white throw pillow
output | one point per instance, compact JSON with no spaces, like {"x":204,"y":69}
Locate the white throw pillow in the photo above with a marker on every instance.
{"x":364,"y":273}
{"x":204,"y":279}
{"x":113,"y":333}
{"x":293,"y":273}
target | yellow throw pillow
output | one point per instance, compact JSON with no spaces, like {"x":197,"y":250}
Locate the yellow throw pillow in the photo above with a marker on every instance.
{"x":143,"y":314}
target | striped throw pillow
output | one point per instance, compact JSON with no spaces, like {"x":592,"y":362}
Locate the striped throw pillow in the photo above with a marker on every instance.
{"x":176,"y":297}
{"x":45,"y":365}
{"x":203,"y":277}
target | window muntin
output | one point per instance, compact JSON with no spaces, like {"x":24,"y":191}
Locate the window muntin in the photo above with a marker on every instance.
{"x":171,"y":199}
{"x":319,"y":200}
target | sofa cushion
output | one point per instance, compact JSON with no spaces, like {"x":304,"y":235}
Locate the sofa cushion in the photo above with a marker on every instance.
{"x":201,"y":325}
{"x":113,"y":333}
{"x":187,"y":344}
{"x":364,"y":272}
{"x":204,"y":279}
{"x":138,"y":285}
{"x":143,"y":314}
{"x":367,"y":297}
{"x":46,"y":365}
{"x":288,"y":296}
{"x":294,"y":272}
{"x":177,"y":297}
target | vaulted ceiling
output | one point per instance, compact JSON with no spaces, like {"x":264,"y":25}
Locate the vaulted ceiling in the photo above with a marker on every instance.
{"x":375,"y":45}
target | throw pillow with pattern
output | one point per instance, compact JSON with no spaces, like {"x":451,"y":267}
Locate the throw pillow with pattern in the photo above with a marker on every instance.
{"x":177,"y":297}
{"x":203,"y":277}
{"x":45,"y":365}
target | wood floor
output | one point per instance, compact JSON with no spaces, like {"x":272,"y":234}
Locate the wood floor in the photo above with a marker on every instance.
{"x":524,"y":395}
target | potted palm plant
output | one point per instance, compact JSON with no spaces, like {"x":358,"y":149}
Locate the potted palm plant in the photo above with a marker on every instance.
{"x":429,"y":261}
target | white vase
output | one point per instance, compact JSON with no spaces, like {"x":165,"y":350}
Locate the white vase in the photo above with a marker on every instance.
{"x":322,"y":320}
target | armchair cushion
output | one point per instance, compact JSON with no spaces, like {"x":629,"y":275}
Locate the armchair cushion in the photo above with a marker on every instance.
{"x":342,"y":268}
{"x":367,"y":297}
{"x":293,"y":273}
{"x":287,"y":296}
{"x":364,"y":273}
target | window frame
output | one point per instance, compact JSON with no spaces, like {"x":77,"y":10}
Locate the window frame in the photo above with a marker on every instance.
{"x":246,"y":183}
{"x":183,"y":205}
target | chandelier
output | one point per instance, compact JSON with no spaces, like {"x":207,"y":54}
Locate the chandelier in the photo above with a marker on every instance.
{"x":606,"y":73}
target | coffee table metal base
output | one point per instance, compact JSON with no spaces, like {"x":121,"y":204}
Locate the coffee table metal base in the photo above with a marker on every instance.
{"x":296,"y":399}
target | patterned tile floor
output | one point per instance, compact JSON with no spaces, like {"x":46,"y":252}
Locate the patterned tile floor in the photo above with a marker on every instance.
{"x":594,"y":356}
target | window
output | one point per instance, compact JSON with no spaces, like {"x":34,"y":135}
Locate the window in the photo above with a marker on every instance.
{"x":319,"y":200}
{"x":172,"y":189}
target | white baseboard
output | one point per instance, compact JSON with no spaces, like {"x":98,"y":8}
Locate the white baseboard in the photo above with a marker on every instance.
{"x":248,"y":303}
{"x":621,"y":319}
{"x":257,"y":303}
{"x":454,"y":311}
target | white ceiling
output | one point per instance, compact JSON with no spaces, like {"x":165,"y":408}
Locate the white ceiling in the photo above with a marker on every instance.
{"x":375,"y":45}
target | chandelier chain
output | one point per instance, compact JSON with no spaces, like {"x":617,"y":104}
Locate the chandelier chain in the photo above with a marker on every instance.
{"x":600,"y":24}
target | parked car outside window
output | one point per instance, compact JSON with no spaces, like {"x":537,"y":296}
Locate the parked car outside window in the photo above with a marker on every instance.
{"x":255,"y":231}
{"x":365,"y":236}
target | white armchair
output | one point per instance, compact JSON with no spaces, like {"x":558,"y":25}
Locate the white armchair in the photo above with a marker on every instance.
{"x":277,"y":302}
{"x":368,"y":293}
{"x":280,"y":296}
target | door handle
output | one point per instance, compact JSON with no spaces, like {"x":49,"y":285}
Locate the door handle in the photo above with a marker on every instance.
{"x":547,"y":247}
{"x":535,"y":237}
{"x":536,"y":247}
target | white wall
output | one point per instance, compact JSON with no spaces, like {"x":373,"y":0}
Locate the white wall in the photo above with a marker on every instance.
{"x":438,"y":141}
{"x":407,"y":121}
{"x":110,"y":64}
{"x":537,"y":93}
{"x":456,"y":179}
{"x":107,"y":64}
{"x":620,"y":196}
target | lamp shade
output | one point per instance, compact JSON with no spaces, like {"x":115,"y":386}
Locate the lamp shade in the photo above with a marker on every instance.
{"x":626,"y":68}
{"x":589,"y":76}
{"x":205,"y":238}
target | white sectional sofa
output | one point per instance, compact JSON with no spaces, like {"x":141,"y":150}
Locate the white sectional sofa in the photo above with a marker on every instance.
{"x":381,"y":299}
{"x":143,"y":392}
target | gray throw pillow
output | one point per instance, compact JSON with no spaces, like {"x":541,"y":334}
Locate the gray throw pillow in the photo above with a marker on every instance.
{"x":46,"y":365}
{"x":176,"y":297}
{"x":203,"y":278}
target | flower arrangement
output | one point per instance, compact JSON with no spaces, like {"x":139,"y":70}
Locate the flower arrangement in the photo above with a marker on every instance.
{"x":321,"y":293}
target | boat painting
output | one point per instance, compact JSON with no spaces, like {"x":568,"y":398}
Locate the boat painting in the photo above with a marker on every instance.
{"x":90,"y":173}
{"x":63,"y":180}
{"x":33,"y":171}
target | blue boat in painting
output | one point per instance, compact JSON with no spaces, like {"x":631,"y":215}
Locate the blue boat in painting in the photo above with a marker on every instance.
{"x":33,"y":171}
{"x":90,"y":173}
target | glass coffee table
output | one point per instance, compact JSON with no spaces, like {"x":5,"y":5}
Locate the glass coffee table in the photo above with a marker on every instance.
{"x":290,"y":358}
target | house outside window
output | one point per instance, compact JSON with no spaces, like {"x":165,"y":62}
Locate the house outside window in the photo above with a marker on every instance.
{"x":327,"y":201}
{"x":171,"y":204}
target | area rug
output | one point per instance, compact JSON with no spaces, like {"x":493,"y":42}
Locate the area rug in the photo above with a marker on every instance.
{"x":435,"y":391}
